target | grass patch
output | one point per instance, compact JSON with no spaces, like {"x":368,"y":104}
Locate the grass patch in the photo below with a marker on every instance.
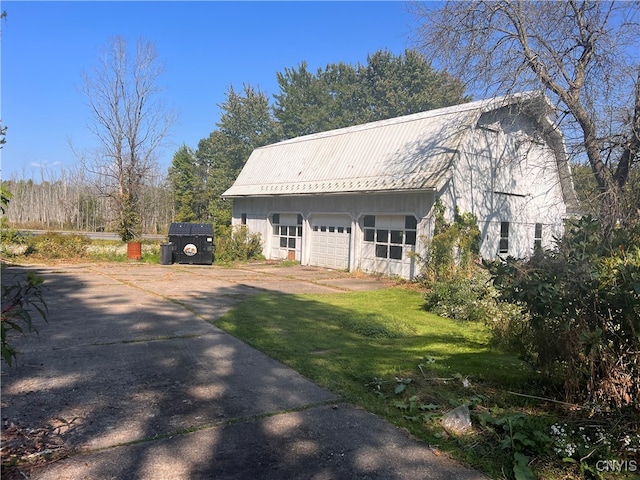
{"x":350,"y":344}
{"x":363,"y":340}
{"x":116,"y":251}
{"x":382,"y":351}
{"x":73,"y":248}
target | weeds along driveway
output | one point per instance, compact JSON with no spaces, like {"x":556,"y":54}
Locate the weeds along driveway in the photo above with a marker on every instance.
{"x":130,"y":382}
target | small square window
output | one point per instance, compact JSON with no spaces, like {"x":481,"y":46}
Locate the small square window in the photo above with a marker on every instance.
{"x":283,"y":242}
{"x":381,"y":251}
{"x":382,"y":235}
{"x":275,"y":218}
{"x":410,"y":222}
{"x":410,"y":238}
{"x":340,"y":229}
{"x":349,"y":230}
{"x":396,"y":236}
{"x":369,"y":221}
{"x":283,"y":231}
{"x":323,"y":228}
{"x":395,"y":252}
{"x":315,"y":228}
{"x":292,"y":243}
{"x":332,"y":229}
{"x":292,"y":231}
{"x":369,"y":234}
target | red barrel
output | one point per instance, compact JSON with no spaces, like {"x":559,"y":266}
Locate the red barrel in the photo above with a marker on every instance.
{"x":134,"y":250}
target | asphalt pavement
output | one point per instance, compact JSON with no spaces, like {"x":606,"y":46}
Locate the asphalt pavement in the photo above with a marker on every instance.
{"x":129,"y":379}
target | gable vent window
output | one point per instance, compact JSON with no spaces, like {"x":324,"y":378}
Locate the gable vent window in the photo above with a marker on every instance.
{"x":504,"y":237}
{"x":392,"y":242}
{"x":537,"y":239}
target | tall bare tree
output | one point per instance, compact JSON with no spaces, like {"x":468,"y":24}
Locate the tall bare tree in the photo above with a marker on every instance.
{"x":583,"y":54}
{"x":130,"y":122}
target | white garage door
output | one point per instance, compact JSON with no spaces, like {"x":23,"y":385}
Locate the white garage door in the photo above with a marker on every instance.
{"x":330,"y":240}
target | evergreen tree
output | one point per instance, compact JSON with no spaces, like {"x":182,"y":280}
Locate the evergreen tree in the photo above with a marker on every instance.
{"x":186,"y":178}
{"x":338,"y":96}
{"x":342,"y":95}
{"x":246,"y":124}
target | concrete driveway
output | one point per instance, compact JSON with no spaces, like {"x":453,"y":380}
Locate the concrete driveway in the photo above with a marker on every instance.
{"x":129,"y":380}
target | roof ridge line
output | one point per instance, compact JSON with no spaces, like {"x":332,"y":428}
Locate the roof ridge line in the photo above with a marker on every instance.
{"x":459,"y":108}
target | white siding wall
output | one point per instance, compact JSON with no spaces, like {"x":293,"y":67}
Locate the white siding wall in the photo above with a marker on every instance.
{"x":259,"y":209}
{"x":505,"y":173}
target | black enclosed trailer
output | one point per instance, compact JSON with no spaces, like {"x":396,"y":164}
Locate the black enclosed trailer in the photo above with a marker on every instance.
{"x":192,"y":242}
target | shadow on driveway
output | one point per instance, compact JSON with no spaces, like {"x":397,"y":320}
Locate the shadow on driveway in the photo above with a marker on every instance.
{"x":133,"y":381}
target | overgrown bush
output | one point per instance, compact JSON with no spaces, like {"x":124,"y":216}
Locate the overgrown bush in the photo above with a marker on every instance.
{"x":509,"y":327}
{"x":56,"y":245}
{"x":18,"y":300}
{"x":10,"y":238}
{"x":583,"y":300}
{"x":454,"y":286}
{"x":465,"y":298}
{"x":237,"y":244}
{"x":452,"y":253}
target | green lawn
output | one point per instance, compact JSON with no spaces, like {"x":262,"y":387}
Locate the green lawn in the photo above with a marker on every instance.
{"x":383,"y":352}
{"x":343,"y":341}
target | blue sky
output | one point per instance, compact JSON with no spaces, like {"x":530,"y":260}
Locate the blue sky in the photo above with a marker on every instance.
{"x":206,"y":46}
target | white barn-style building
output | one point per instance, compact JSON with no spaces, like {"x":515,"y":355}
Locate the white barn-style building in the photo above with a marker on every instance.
{"x":361,"y":197}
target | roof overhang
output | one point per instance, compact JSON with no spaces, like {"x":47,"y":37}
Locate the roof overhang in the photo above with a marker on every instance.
{"x":336,"y":193}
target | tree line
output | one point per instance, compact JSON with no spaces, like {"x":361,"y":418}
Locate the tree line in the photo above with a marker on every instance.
{"x":580,"y":53}
{"x":307,"y":102}
{"x":336,"y":96}
{"x":69,"y":203}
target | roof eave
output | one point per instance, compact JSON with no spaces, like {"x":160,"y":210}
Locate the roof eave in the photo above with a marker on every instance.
{"x":344,"y":192}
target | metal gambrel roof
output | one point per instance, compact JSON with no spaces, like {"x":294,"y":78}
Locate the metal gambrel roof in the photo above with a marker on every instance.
{"x":407,"y":153}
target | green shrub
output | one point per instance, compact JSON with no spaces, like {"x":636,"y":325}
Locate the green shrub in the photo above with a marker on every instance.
{"x":11,"y":235}
{"x":452,"y":253}
{"x":237,"y":244}
{"x":11,"y":238}
{"x":18,"y":301}
{"x":583,"y":301}
{"x":55,"y":245}
{"x":454,"y":285}
{"x":510,"y":329}
{"x":468,"y":299}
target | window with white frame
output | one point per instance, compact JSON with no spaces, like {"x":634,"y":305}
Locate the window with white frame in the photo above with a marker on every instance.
{"x":392,"y":240}
{"x":288,"y":230}
{"x":504,"y":238}
{"x":537,"y":239}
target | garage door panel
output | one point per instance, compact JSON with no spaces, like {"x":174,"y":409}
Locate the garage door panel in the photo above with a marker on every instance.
{"x":330,"y":240}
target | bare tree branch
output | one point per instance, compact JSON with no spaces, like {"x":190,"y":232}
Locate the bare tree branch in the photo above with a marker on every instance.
{"x":130,"y":123}
{"x":582,"y":53}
